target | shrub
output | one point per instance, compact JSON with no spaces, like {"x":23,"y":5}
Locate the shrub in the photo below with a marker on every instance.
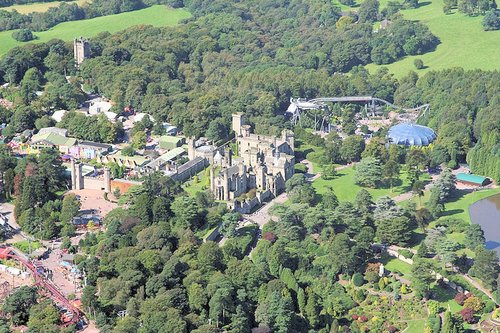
{"x":371,"y":272}
{"x":381,"y":284}
{"x":404,"y":289}
{"x":359,"y":295}
{"x":128,"y":151}
{"x":317,"y":157}
{"x":358,"y":280}
{"x":468,"y":315}
{"x":452,"y":164}
{"x":489,"y":307}
{"x":391,"y":329}
{"x":269,"y":236}
{"x":434,"y":323}
{"x":419,"y":64}
{"x":452,"y":225}
{"x":460,"y":298}
{"x":473,"y":303}
{"x":23,"y":35}
{"x":491,"y":21}
{"x":406,"y":253}
{"x":434,"y":307}
{"x":300,"y":168}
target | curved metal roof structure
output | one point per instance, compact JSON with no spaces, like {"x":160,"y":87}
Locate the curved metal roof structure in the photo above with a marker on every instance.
{"x":408,"y":134}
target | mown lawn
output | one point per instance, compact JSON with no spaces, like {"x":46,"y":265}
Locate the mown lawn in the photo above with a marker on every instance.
{"x":345,"y":188}
{"x":40,"y":7}
{"x":158,"y":15}
{"x":415,"y":326}
{"x":458,"y":205}
{"x":445,"y":297}
{"x":394,"y":264}
{"x":463,"y":41}
{"x":191,"y":187}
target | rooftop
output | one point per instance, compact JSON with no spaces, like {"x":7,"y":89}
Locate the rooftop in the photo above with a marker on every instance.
{"x":53,"y":139}
{"x":189,"y":164}
{"x":170,"y":138}
{"x":408,"y":134}
{"x":168,"y":156}
{"x":471,"y":178}
{"x":94,"y":144}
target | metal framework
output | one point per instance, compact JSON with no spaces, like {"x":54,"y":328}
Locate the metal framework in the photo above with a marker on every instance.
{"x":299,"y":105}
{"x":46,"y":287}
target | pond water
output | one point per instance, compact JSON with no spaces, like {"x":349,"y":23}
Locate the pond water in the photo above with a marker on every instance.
{"x":486,"y":213}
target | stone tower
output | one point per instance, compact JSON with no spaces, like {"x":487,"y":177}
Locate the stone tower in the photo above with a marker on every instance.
{"x":73,"y":174}
{"x":81,"y":50}
{"x":238,"y":122}
{"x":228,"y":156}
{"x":107,"y":180}
{"x":191,"y":148}
{"x":76,"y":175}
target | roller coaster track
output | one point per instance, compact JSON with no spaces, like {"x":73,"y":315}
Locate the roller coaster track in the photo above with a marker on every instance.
{"x":299,"y":105}
{"x":46,"y":287}
{"x":367,"y":99}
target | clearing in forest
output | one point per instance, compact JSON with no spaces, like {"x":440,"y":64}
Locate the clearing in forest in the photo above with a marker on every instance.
{"x":464,"y":43}
{"x":40,"y":7}
{"x":158,"y":15}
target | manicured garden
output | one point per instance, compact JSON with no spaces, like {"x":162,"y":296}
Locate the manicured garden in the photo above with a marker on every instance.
{"x":158,"y":15}
{"x":397,"y":266}
{"x":198,"y":183}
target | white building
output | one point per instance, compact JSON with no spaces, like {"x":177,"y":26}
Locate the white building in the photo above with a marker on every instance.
{"x":58,"y":115}
{"x":99,"y":106}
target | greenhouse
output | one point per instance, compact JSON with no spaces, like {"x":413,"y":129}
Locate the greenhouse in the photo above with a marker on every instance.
{"x":408,"y":134}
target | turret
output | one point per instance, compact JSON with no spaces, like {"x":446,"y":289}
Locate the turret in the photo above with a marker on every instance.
{"x":191,"y":148}
{"x":238,"y":122}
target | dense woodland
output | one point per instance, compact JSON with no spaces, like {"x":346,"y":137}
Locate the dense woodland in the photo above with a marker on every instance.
{"x":40,"y":21}
{"x":250,"y":62}
{"x":306,"y":273}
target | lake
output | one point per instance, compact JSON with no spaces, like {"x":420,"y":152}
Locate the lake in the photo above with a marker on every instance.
{"x":486,"y":213}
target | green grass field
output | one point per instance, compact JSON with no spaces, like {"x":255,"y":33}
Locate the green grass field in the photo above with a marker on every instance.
{"x":463,"y":42}
{"x":24,"y":246}
{"x":394,"y":264}
{"x":345,"y":188}
{"x":415,"y":326}
{"x":155,"y":15}
{"x":191,"y":187}
{"x":458,"y":206}
{"x":40,"y":7}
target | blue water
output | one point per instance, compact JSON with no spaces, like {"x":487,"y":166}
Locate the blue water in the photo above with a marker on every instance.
{"x":486,"y":213}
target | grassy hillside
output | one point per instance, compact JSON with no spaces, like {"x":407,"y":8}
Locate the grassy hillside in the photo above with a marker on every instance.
{"x":463,"y":41}
{"x":156,"y":15}
{"x":39,"y":7}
